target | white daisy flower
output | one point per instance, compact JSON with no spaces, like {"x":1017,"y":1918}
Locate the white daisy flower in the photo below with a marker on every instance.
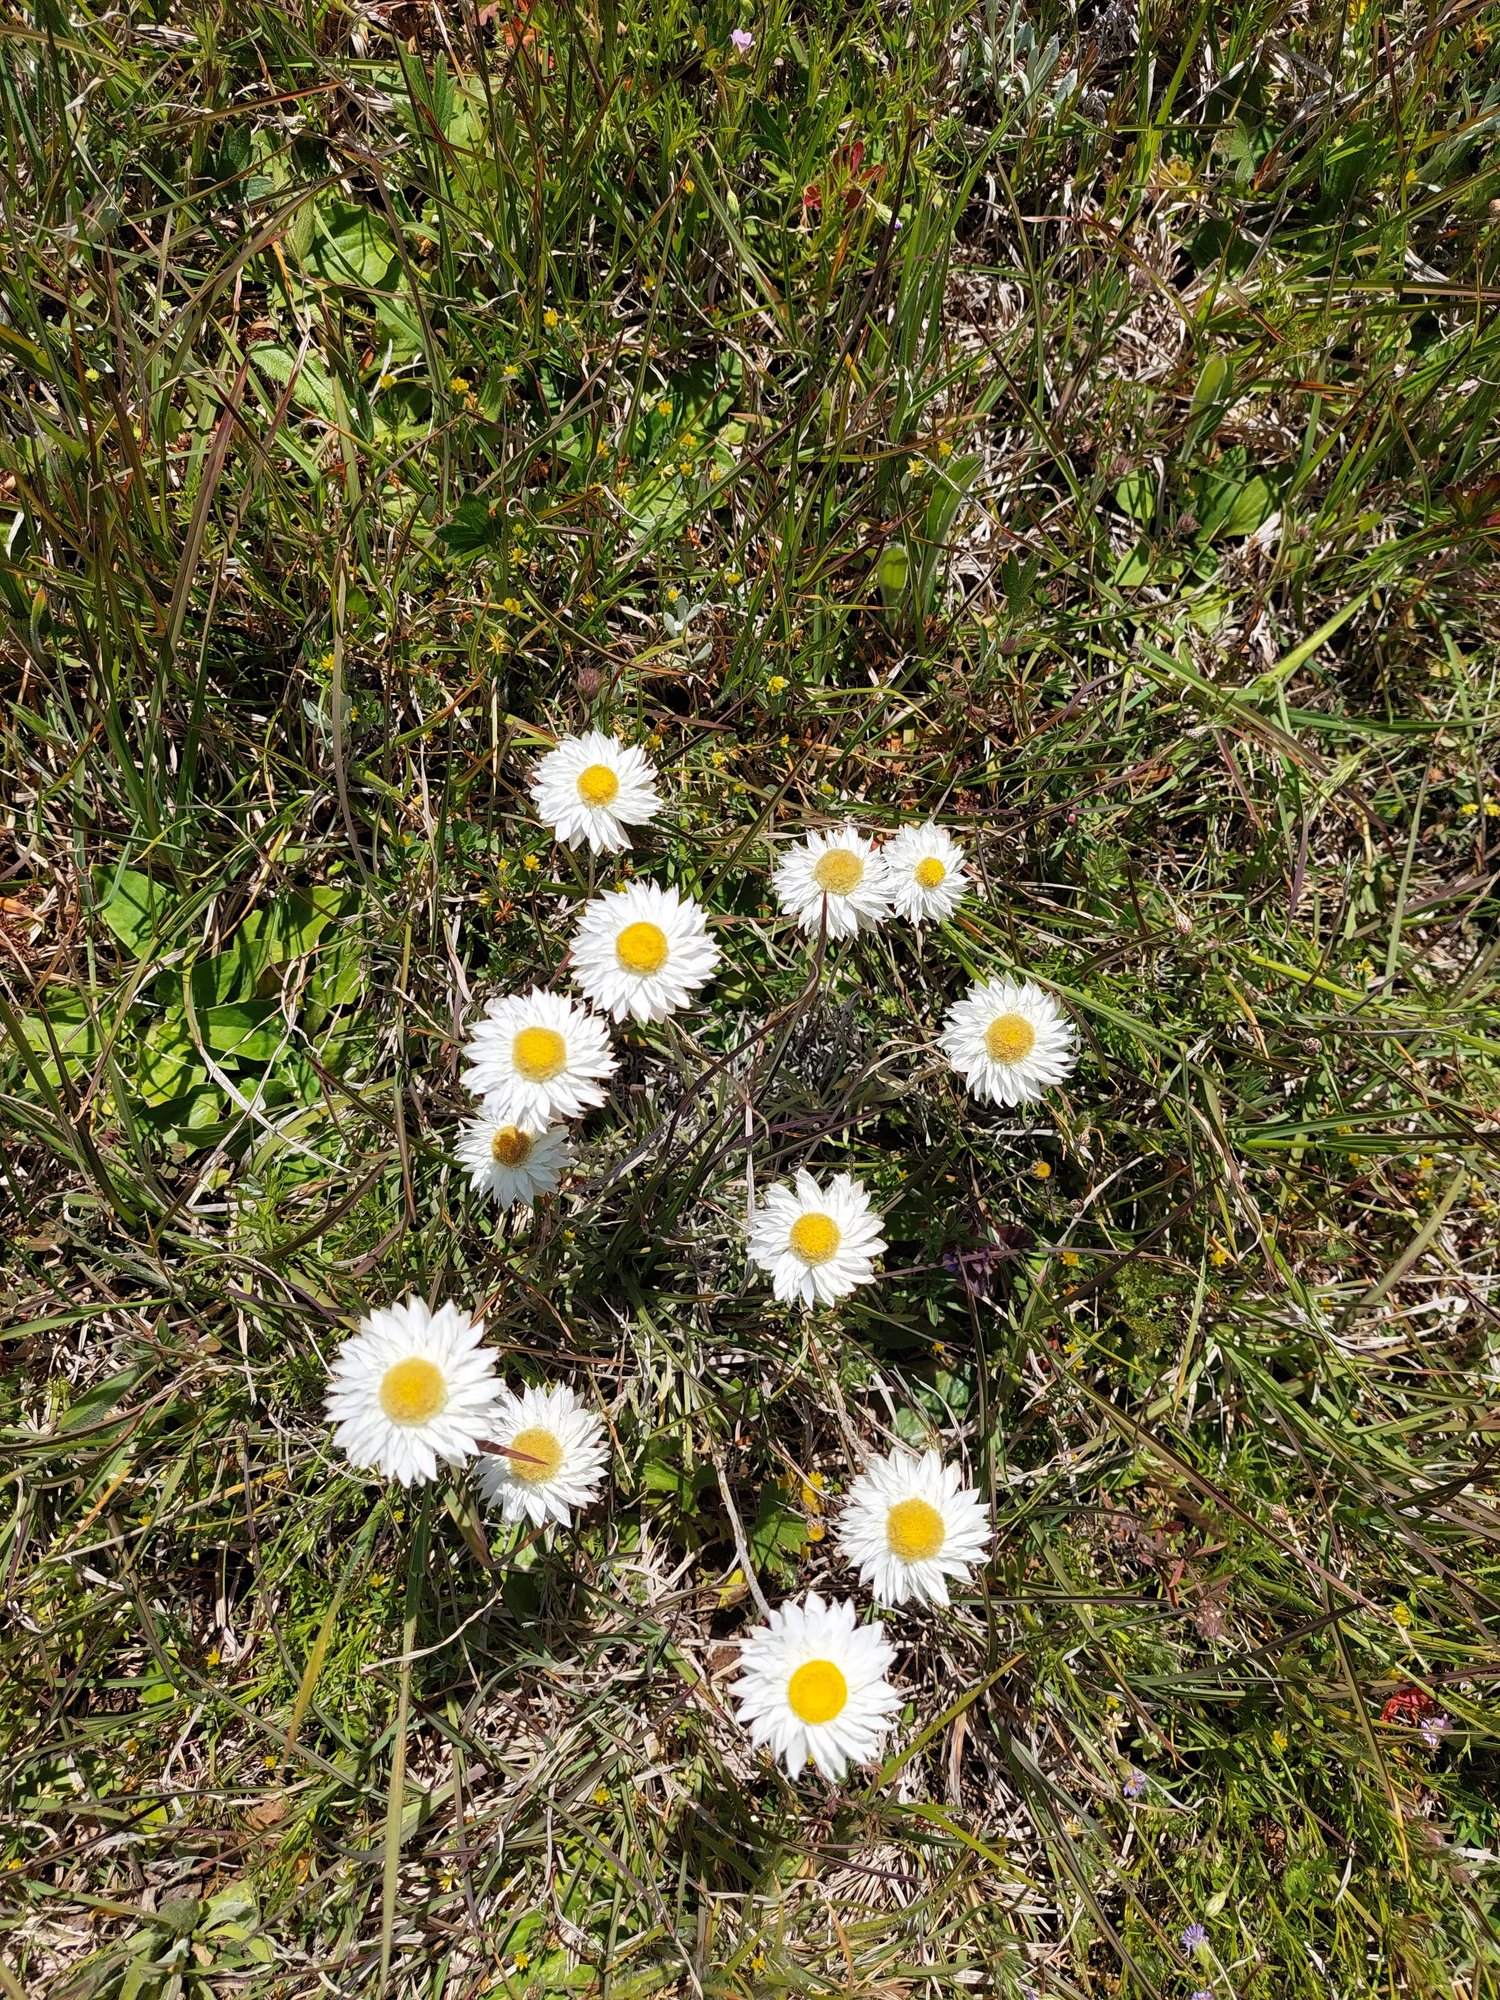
{"x":839,"y":870}
{"x":593,"y":787}
{"x":817,"y":1243}
{"x":925,"y":865}
{"x":910,"y":1524}
{"x":537,"y":1057}
{"x":813,"y":1685}
{"x":1009,"y":1040}
{"x":642,"y":950}
{"x":553,"y":1460}
{"x":411,"y":1387}
{"x":510,"y":1163}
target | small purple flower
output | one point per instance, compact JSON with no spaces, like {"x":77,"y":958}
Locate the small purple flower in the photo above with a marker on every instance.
{"x":1134,"y":1786}
{"x":743,"y":40}
{"x":1203,"y":1993}
{"x":1434,"y":1728}
{"x":1194,"y":1936}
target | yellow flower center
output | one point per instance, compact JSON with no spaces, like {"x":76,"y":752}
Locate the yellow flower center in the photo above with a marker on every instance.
{"x":413,"y":1390}
{"x":839,"y":871}
{"x":598,"y":785}
{"x":642,"y":948}
{"x":914,"y":1531}
{"x":929,"y":872}
{"x":540,"y":1455}
{"x":1010,"y":1038}
{"x":817,"y":1692}
{"x":816,"y":1238}
{"x":539,"y":1054}
{"x":510,"y":1146}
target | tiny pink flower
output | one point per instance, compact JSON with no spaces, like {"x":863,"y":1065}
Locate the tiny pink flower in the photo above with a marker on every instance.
{"x":743,"y":40}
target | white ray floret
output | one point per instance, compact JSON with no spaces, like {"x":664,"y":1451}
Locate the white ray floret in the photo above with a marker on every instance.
{"x":537,"y":1057}
{"x":411,"y":1387}
{"x":510,"y":1163}
{"x":817,"y":1243}
{"x":910,"y":1524}
{"x":553,"y":1460}
{"x":594,"y":788}
{"x":925,"y":870}
{"x":1009,"y":1040}
{"x":643,"y":951}
{"x":840,"y":870}
{"x":813,"y":1686}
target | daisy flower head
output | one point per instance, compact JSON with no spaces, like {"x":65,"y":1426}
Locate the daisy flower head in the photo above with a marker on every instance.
{"x":817,"y":1243}
{"x":834,"y":879}
{"x":553,"y":1459}
{"x":593,"y":787}
{"x":925,"y":865}
{"x":813,"y":1686}
{"x":510,"y":1163}
{"x":643,"y":950}
{"x":537,"y":1057}
{"x":411,"y":1387}
{"x":910,"y":1524}
{"x":1009,"y":1040}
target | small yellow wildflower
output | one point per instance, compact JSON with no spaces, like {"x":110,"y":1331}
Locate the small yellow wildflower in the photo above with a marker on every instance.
{"x":1402,"y":1615}
{"x":512,"y":605}
{"x":510,"y":371}
{"x":816,"y":1531}
{"x":672,"y":594}
{"x":587,"y":599}
{"x":387,"y":381}
{"x":1278,"y":1740}
{"x":601,"y":1796}
{"x":689,"y":440}
{"x":1042,"y":1170}
{"x":785,"y":742}
{"x":1218,"y":1255}
{"x":777,"y":684}
{"x":664,"y":408}
{"x":327,"y":663}
{"x":685,"y":467}
{"x":732,"y":576}
{"x":91,"y":374}
{"x":914,"y":464}
{"x":530,"y":863}
{"x":214,"y":1656}
{"x":522,"y":1960}
{"x":497,"y":642}
{"x":550,"y":319}
{"x":1492,"y":808}
{"x":687,"y":184}
{"x":945,"y":450}
{"x":655,"y":740}
{"x":1426,"y":1164}
{"x":1466,"y":810}
{"x":459,"y":384}
{"x":1070,"y":1257}
{"x":718,"y":758}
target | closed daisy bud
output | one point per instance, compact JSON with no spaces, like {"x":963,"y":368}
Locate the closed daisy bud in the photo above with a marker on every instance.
{"x":411,"y":1387}
{"x":834,"y":881}
{"x":592,"y":788}
{"x":643,"y":951}
{"x":813,"y":1686}
{"x":1009,"y":1040}
{"x":551,"y":1459}
{"x":817,"y":1243}
{"x":925,"y":871}
{"x":910,"y":1524}
{"x":510,"y":1163}
{"x":538,"y":1057}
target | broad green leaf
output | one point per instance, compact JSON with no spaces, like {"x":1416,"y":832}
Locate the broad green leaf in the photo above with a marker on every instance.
{"x":134,"y":906}
{"x":1136,"y":496}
